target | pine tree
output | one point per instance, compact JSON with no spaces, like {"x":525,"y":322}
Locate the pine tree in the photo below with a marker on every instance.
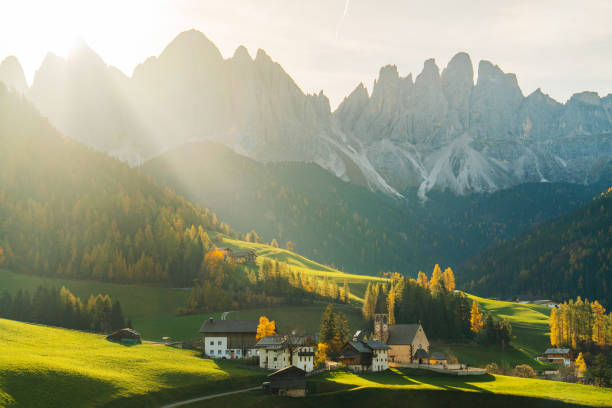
{"x":476,"y":322}
{"x":599,"y":329}
{"x":327,"y":329}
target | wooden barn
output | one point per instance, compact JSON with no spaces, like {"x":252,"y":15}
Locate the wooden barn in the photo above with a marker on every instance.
{"x":287,"y":382}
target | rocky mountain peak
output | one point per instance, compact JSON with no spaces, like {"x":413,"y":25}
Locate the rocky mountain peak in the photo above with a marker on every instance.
{"x":11,"y":73}
{"x":191,"y":44}
{"x":242,"y":54}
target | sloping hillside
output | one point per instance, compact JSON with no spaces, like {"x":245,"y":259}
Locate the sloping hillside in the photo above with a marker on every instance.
{"x":348,"y":226}
{"x":68,"y":211}
{"x":563,"y":258}
{"x":48,"y":367}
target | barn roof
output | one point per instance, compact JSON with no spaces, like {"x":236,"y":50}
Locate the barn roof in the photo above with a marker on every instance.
{"x":229,"y":326}
{"x":557,"y":351}
{"x":402,"y":333}
{"x":376,"y":345}
{"x":288,"y":371}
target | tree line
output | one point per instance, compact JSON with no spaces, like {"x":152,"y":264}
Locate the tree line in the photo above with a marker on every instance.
{"x":431,"y":301}
{"x":59,"y":307}
{"x":580,"y":325}
{"x":223,"y":284}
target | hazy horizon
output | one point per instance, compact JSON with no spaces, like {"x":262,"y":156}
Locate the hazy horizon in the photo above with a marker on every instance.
{"x":560,"y":47}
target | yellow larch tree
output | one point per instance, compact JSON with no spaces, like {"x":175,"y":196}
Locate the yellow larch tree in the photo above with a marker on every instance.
{"x":476,"y":322}
{"x":265,"y":328}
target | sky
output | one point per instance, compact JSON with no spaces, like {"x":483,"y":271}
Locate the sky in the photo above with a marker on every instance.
{"x":560,"y":46}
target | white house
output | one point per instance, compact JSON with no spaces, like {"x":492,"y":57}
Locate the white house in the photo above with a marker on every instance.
{"x":276,"y":352}
{"x":229,"y":338}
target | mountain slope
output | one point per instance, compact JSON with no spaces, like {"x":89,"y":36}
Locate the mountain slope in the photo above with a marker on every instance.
{"x":562,"y":258}
{"x":440,"y":131}
{"x":71,"y":212}
{"x":348,"y":226}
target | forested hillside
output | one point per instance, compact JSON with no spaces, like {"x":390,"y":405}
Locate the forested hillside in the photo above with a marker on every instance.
{"x":348,"y":226}
{"x":563,"y":258}
{"x":68,"y":211}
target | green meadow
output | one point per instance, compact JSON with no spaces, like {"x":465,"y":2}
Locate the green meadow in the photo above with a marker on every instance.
{"x":50,"y":367}
{"x":529,"y":329}
{"x":420,"y":388}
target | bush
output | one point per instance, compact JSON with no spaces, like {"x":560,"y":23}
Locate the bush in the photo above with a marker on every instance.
{"x":493,"y":368}
{"x":524,"y":371}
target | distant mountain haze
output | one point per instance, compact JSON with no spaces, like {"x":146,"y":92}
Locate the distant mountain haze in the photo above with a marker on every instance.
{"x":439,"y":131}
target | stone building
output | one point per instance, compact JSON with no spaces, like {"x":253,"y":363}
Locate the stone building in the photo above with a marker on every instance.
{"x":407,"y":342}
{"x":276,"y":352}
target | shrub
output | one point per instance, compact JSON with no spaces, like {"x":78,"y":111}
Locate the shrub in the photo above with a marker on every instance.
{"x":493,"y":368}
{"x":524,"y":371}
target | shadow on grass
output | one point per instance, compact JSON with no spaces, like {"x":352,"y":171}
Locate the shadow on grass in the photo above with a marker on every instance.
{"x":49,"y":388}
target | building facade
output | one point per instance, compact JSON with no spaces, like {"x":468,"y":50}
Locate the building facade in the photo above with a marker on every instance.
{"x":276,"y":352}
{"x":231,"y":339}
{"x":362,"y":356}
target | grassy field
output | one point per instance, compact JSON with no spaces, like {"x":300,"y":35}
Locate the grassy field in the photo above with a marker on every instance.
{"x":48,"y":367}
{"x":153,"y":309}
{"x":401,"y":388}
{"x":529,"y":328}
{"x":358,"y":283}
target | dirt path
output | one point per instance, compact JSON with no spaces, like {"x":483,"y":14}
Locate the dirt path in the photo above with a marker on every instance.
{"x":207,"y":397}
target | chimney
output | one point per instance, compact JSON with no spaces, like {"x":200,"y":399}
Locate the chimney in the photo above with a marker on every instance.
{"x":210,"y":320}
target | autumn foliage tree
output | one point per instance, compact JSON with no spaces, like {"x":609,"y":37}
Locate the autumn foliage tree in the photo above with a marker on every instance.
{"x":476,"y":322}
{"x":265,"y":328}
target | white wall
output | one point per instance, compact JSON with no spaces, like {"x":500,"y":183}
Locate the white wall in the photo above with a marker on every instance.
{"x":380,"y":362}
{"x":216,"y":347}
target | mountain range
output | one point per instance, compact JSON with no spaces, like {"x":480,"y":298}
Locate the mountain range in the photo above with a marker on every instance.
{"x":438,"y":131}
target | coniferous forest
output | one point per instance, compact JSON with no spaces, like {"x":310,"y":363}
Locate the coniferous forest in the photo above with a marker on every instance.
{"x":71,"y":212}
{"x":561,"y":259}
{"x":431,"y":301}
{"x":59,"y":307}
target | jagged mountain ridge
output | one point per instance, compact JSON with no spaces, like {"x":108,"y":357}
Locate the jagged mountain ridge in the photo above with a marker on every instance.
{"x":438,"y":131}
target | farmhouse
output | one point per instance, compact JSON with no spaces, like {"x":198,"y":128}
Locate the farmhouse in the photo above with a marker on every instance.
{"x":229,"y":338}
{"x":289,"y":381}
{"x":276,"y":352}
{"x":244,"y":257}
{"x":360,"y":355}
{"x":561,"y":356}
{"x":407,"y":342}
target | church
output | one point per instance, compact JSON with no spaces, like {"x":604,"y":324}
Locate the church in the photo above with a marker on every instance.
{"x":407,"y":342}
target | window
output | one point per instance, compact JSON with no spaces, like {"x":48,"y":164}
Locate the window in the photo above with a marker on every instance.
{"x":227,"y":352}
{"x":219,"y":343}
{"x":212,"y":352}
{"x":219,"y":352}
{"x":212,"y":343}
{"x":238,"y":351}
{"x":274,"y":358}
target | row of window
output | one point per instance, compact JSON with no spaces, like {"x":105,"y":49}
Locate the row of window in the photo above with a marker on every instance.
{"x":212,"y":343}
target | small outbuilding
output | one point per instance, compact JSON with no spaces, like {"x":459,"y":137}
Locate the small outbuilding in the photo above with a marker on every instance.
{"x":438,"y":359}
{"x":287,"y":382}
{"x":126,"y":336}
{"x":421,"y":356}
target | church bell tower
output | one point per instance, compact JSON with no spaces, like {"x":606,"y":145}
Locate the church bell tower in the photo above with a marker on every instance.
{"x":381,"y":327}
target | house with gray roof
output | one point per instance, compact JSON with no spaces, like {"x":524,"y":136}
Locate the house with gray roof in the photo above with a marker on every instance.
{"x":229,"y":338}
{"x":365,"y":355}
{"x":276,"y":352}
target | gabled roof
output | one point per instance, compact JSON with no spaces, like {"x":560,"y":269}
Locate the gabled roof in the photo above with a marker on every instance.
{"x":377,"y":345}
{"x":420,"y":353}
{"x":437,"y":356}
{"x":557,"y":351}
{"x":289,"y":370}
{"x":229,"y":326}
{"x":360,"y":346}
{"x":270,"y":342}
{"x":402,"y":333}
